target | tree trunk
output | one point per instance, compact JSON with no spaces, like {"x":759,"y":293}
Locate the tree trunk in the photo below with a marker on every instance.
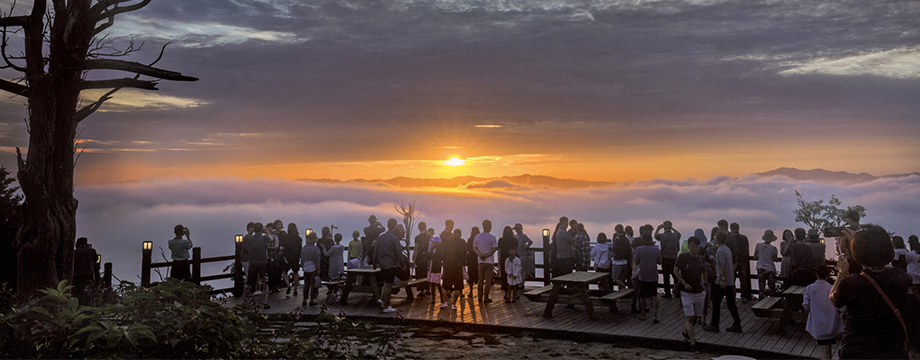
{"x":45,"y":241}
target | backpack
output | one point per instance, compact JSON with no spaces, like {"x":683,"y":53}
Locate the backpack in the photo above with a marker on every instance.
{"x":620,"y":249}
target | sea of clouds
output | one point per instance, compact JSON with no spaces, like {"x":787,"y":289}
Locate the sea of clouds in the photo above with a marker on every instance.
{"x":118,"y":217}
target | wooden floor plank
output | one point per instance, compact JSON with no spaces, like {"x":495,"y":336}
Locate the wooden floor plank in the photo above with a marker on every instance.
{"x":758,"y":333}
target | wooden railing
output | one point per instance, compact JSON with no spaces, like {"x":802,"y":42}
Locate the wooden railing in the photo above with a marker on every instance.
{"x":147,"y":266}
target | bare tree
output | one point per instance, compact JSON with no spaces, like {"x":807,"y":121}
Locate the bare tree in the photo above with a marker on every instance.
{"x":61,"y":45}
{"x":411,"y":214}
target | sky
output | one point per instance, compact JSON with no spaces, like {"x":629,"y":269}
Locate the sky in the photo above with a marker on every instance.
{"x":582,"y":89}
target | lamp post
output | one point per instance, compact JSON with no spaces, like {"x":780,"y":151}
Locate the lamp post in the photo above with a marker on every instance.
{"x":145,"y":263}
{"x":308,"y":231}
{"x":238,"y":266}
{"x":547,"y":268}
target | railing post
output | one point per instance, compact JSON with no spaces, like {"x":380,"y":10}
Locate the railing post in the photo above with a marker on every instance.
{"x":547,"y":268}
{"x":196,"y":265}
{"x":107,"y":275}
{"x":145,"y":263}
{"x":238,"y":282}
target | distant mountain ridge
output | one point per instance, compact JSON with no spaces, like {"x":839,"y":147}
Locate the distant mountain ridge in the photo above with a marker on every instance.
{"x":473,"y":182}
{"x":827,"y":176}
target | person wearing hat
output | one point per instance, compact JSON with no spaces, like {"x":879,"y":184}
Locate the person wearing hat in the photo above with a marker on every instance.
{"x":670,"y":247}
{"x":765,"y":254}
{"x":371,"y":232}
{"x":817,"y":249}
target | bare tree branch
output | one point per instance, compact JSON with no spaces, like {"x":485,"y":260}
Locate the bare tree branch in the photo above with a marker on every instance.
{"x":120,"y":83}
{"x":14,"y":21}
{"x":3,"y":45}
{"x":130,"y":66}
{"x":91,"y":108}
{"x":110,"y":13}
{"x":14,"y":88}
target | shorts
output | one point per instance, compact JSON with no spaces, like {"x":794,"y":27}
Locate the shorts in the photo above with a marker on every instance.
{"x":693,"y":303}
{"x":648,"y":288}
{"x":388,"y":275}
{"x":830,"y":341}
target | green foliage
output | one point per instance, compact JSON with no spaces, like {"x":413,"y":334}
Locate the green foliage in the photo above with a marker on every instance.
{"x":174,"y":319}
{"x":10,"y":221}
{"x":818,"y":215}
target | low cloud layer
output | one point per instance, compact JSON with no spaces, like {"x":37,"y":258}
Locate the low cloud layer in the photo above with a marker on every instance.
{"x":118,"y":217}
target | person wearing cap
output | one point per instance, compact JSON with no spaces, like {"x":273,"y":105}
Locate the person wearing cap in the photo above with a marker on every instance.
{"x":765,"y":254}
{"x":817,"y":249}
{"x":309,"y":260}
{"x":670,"y":247}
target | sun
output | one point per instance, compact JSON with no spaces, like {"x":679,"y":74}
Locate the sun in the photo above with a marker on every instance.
{"x":454,"y":162}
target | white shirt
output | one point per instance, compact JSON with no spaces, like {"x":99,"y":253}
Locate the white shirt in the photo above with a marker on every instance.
{"x":824,"y":320}
{"x":485,"y":242}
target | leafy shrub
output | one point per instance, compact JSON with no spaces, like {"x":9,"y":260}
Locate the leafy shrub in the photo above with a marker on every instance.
{"x":174,"y":319}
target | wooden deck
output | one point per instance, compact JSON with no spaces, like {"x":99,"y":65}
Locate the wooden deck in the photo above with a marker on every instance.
{"x":759,"y":337}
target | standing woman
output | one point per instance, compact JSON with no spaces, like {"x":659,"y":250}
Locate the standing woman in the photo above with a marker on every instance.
{"x":292,"y":243}
{"x":870,"y":327}
{"x":785,"y":269}
{"x":505,"y":244}
{"x":472,"y":261}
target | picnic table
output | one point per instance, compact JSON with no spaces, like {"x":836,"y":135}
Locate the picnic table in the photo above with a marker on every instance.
{"x":578,"y":281}
{"x":370,"y":274}
{"x":786,"y":307}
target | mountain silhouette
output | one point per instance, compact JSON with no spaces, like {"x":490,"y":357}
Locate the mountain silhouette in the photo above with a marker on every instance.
{"x":827,"y":176}
{"x":476,"y":182}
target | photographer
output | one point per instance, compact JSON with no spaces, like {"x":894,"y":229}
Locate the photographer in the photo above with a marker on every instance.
{"x":843,"y":244}
{"x":871,"y":327}
{"x":178,"y":248}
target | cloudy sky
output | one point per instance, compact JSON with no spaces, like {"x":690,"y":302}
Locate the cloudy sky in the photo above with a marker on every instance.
{"x":585,"y":89}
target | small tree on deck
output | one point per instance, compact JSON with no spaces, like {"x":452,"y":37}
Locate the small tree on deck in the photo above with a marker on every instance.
{"x":61,"y":44}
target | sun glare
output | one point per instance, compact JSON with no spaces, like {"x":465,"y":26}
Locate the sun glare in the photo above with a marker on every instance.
{"x":454,"y":162}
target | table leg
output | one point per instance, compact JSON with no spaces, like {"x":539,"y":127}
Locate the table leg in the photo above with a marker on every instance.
{"x":553,"y":296}
{"x":787,"y":315}
{"x":374,"y":287}
{"x":583,"y":289}
{"x":345,"y":291}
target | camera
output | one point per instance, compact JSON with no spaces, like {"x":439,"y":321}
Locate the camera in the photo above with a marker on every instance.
{"x":835,"y":231}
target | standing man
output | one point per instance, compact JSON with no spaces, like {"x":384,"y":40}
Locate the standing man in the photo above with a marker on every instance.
{"x":670,"y":246}
{"x":724,"y":286}
{"x":387,"y":257}
{"x":565,"y":249}
{"x":485,"y":245}
{"x":420,"y":256}
{"x":527,"y":260}
{"x":647,"y":259}
{"x":179,"y":248}
{"x":742,"y":260}
{"x":84,"y":273}
{"x":690,"y":274}
{"x":371,"y":232}
{"x":257,"y":246}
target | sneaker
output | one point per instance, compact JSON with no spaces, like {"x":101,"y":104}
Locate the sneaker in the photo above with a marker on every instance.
{"x":388,"y":309}
{"x":693,"y":349}
{"x":443,"y":305}
{"x":711,"y":328}
{"x":380,"y":301}
{"x":734,"y":329}
{"x":487,"y":300}
{"x":453,"y":307}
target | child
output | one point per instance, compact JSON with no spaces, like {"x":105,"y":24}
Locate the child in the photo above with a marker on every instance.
{"x":601,"y":255}
{"x":765,"y":254}
{"x":355,"y":247}
{"x":514,"y":269}
{"x":434,"y":270}
{"x":824,"y":320}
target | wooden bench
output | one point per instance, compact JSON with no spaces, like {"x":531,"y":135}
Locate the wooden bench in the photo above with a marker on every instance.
{"x":768,"y":307}
{"x":617,"y":295}
{"x":409,"y":286}
{"x":535,"y":295}
{"x":333,"y":283}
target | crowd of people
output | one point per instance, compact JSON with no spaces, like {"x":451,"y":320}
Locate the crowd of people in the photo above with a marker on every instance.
{"x":704,"y":270}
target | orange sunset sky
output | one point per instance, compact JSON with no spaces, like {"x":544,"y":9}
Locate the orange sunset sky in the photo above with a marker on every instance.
{"x":604,"y":90}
